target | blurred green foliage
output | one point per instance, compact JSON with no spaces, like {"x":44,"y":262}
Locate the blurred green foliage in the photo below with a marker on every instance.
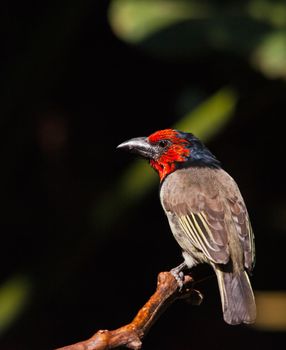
{"x":255,"y":29}
{"x":15,"y":293}
{"x":133,"y":21}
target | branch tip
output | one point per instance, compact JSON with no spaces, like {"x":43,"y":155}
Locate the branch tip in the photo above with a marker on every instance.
{"x":132,"y":334}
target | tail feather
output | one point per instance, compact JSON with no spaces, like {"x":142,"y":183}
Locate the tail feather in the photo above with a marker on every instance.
{"x":237,"y":297}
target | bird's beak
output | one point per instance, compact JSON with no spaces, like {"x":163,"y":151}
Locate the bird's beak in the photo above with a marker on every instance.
{"x":139,"y":146}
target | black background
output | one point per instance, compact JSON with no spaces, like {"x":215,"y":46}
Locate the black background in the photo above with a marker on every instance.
{"x":72,"y":91}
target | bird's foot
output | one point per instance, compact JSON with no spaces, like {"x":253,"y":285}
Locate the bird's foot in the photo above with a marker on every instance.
{"x":178,"y":274}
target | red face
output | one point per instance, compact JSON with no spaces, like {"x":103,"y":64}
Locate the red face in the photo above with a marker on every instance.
{"x":169,"y":149}
{"x":172,"y":149}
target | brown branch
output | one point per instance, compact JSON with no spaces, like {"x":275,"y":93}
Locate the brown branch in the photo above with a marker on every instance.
{"x":131,"y":335}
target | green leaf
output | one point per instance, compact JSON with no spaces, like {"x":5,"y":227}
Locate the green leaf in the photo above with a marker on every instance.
{"x":184,"y":29}
{"x":134,"y":21}
{"x":270,"y":55}
{"x":14,"y":295}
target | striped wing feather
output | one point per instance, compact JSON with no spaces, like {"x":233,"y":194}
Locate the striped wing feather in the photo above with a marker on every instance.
{"x":244,"y":230}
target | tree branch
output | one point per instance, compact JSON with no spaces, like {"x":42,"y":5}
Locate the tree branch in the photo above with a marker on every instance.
{"x":132,"y":334}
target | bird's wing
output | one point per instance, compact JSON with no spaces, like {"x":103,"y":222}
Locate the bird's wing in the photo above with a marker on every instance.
{"x":243,"y":228}
{"x":209,"y":214}
{"x":202,"y":220}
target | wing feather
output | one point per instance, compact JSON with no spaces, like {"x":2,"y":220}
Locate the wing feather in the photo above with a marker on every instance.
{"x":211,"y":213}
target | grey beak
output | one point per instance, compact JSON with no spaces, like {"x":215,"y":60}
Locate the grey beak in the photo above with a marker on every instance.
{"x":138,"y":145}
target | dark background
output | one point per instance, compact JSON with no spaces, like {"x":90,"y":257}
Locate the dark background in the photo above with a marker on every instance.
{"x":72,"y":91}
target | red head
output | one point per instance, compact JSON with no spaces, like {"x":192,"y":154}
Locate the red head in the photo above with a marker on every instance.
{"x":170,"y":149}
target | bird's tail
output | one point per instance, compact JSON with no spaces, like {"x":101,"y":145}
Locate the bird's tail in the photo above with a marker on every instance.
{"x":237,"y":297}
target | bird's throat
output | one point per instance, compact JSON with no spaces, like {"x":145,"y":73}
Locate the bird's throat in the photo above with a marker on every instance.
{"x":163,"y":169}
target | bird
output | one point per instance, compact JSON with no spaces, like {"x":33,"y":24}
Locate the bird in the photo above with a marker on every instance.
{"x":207,"y":215}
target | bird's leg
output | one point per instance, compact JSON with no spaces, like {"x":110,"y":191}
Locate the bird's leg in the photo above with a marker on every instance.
{"x":178,"y":273}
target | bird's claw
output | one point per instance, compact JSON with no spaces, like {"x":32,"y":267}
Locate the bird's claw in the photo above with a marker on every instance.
{"x":179,"y":277}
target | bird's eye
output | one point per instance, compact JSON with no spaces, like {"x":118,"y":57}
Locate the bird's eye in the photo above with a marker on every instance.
{"x":163,"y":143}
